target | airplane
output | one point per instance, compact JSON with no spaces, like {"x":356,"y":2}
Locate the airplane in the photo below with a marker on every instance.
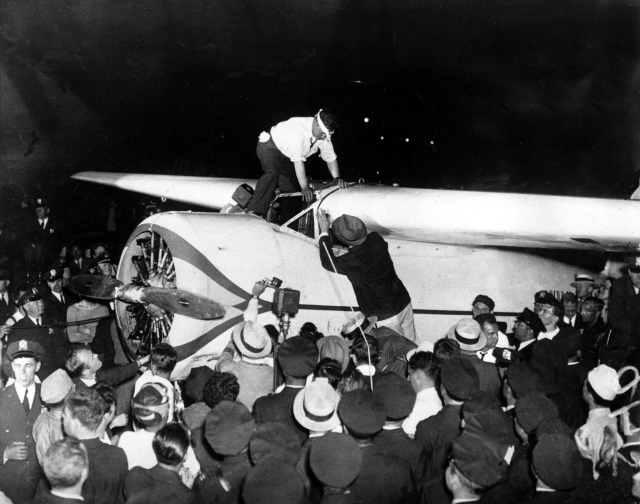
{"x":447,"y":246}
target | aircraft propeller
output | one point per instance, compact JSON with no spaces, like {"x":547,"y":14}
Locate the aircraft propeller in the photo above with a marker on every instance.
{"x":157,"y":300}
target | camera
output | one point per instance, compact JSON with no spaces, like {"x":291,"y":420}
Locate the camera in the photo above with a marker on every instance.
{"x":274,"y":283}
{"x":286,"y":301}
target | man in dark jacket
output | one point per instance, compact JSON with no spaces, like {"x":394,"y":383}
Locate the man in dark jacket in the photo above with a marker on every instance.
{"x":594,"y":332}
{"x":459,"y":380}
{"x":370,"y":270}
{"x":624,"y":316}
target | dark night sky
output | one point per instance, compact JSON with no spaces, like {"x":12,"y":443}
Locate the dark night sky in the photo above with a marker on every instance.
{"x":543,"y":96}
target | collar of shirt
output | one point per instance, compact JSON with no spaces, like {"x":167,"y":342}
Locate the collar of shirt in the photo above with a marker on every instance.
{"x":36,"y":321}
{"x":526,"y":343}
{"x":571,"y":321}
{"x":456,"y":501}
{"x":599,"y":412}
{"x":45,"y":220}
{"x":58,"y":295}
{"x":392,"y":427}
{"x":366,"y":370}
{"x":508,"y":407}
{"x":5,"y":297}
{"x":66,"y":495}
{"x":31,"y":392}
{"x":549,"y":335}
{"x":543,"y":489}
{"x":636,"y":289}
{"x":426,"y":394}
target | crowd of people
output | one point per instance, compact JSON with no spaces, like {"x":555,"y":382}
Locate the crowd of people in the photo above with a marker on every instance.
{"x":548,"y":412}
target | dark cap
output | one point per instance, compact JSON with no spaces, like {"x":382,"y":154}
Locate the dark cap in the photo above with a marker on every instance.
{"x":103,"y":258}
{"x":335,"y":459}
{"x":397,"y":395}
{"x":53,"y":274}
{"x":25,"y":348}
{"x":553,"y":425}
{"x":545,"y":297}
{"x":5,"y":275}
{"x":532,"y":409}
{"x":557,"y":461}
{"x":532,"y":320}
{"x":270,"y":481}
{"x":569,"y":297}
{"x":41,"y":203}
{"x":459,"y":378}
{"x":31,"y":294}
{"x":349,"y":230}
{"x":277,"y":440}
{"x":298,"y":356}
{"x":633,"y":263}
{"x":481,"y":298}
{"x":524,"y":378}
{"x":228,"y":427}
{"x":497,"y":427}
{"x":195,"y":382}
{"x":479,"y":402}
{"x":478,"y":460}
{"x":362,"y":412}
{"x":507,"y":356}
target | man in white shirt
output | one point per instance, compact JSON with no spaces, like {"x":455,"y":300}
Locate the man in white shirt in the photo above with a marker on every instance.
{"x":423,"y":368}
{"x":283,"y":152}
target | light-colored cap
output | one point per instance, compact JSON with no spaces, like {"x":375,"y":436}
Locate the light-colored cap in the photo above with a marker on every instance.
{"x":56,"y":387}
{"x":604,"y":381}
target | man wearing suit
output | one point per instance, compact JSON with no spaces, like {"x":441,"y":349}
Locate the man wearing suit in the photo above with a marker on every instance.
{"x":624,"y":316}
{"x":66,"y":466}
{"x":44,"y":238}
{"x":20,"y":406}
{"x":56,"y":301}
{"x":297,"y":357}
{"x":78,"y":263}
{"x":528,"y":327}
{"x":39,"y":327}
{"x":572,"y":316}
{"x":83,"y":413}
{"x":7,"y":306}
{"x":459,"y":380}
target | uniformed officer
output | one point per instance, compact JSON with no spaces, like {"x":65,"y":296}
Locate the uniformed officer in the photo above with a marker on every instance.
{"x":55,"y":300}
{"x":20,"y":406}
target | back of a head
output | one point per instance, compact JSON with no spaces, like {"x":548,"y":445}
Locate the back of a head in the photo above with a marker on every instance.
{"x":425,"y":362}
{"x":329,"y":369}
{"x":75,"y":363}
{"x":360,"y":350}
{"x":170,"y":444}
{"x":164,"y":358}
{"x":351,"y":379}
{"x":87,"y":406}
{"x":221,"y":387}
{"x":107,"y":393}
{"x":445,"y":349}
{"x":65,"y":462}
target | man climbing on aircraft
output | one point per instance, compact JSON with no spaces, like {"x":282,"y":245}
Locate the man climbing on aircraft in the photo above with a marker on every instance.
{"x":283,"y":152}
{"x":369,"y":267}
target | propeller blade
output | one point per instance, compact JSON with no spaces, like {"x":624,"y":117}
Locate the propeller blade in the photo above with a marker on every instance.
{"x":183,"y":303}
{"x":94,"y":286}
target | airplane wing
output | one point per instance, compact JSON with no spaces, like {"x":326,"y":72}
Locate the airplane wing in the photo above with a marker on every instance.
{"x":435,"y":216}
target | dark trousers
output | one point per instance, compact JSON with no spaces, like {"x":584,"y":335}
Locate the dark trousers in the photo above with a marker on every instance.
{"x":279,"y":172}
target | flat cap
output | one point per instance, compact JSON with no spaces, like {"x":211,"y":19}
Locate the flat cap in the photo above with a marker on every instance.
{"x":228,"y":427}
{"x":298,"y":356}
{"x":479,"y":402}
{"x":53,"y":274}
{"x":397,"y":395}
{"x":481,"y":298}
{"x":336,"y":348}
{"x":557,"y":461}
{"x":545,"y":297}
{"x":5,"y":274}
{"x":532,"y":409}
{"x":272,"y":482}
{"x":524,"y":378}
{"x":277,"y":440}
{"x":56,"y":387}
{"x":336,"y":459}
{"x":362,"y":412}
{"x":459,"y":378}
{"x":477,"y":459}
{"x":532,"y":319}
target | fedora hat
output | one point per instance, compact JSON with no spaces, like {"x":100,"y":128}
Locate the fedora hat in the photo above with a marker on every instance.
{"x":349,"y":230}
{"x":252,"y":339}
{"x":467,"y":332}
{"x":583,"y":278}
{"x":358,"y":322}
{"x":335,"y":348}
{"x":316,"y":406}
